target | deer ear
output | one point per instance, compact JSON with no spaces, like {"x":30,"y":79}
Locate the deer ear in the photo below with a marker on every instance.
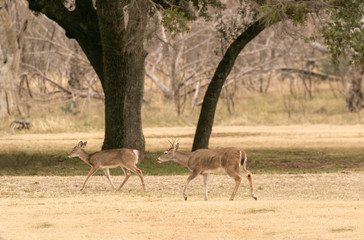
{"x":84,"y":144}
{"x":80,"y":144}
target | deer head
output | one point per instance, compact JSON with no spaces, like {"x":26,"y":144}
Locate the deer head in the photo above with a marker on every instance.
{"x":76,"y":150}
{"x":169,"y":154}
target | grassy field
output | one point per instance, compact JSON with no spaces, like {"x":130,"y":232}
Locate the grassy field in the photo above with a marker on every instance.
{"x":270,"y":149}
{"x":260,"y":161}
{"x":308,"y":179}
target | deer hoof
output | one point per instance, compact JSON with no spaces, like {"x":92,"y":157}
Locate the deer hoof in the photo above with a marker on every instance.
{"x":186,"y":198}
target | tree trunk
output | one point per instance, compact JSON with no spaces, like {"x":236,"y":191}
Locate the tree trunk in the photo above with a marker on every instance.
{"x":3,"y":101}
{"x":123,"y":68}
{"x":9,"y":67}
{"x":354,"y":97}
{"x":123,"y":101}
{"x":207,"y":114}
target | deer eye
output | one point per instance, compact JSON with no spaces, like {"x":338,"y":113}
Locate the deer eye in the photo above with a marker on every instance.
{"x":165,"y":153}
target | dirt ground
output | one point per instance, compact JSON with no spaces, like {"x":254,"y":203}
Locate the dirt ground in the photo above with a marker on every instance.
{"x":291,"y":206}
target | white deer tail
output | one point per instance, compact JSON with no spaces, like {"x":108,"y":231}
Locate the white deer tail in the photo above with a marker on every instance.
{"x":136,"y":152}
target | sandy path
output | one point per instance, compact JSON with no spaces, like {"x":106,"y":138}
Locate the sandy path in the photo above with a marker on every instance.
{"x":308,"y":206}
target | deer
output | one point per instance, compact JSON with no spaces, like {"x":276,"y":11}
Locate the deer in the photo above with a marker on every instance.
{"x":206,"y":161}
{"x":19,"y":125}
{"x":121,"y":157}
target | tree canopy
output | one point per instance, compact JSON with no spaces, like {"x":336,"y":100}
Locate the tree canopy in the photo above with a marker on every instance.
{"x":343,"y":31}
{"x":112,"y":35}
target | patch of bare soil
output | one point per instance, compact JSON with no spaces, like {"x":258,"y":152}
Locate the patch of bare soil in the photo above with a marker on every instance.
{"x":308,"y":206}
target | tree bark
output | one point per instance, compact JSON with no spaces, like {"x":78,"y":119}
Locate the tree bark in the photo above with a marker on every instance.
{"x":123,"y":57}
{"x":354,"y":97}
{"x":207,"y":114}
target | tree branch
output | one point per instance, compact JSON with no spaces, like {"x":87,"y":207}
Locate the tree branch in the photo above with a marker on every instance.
{"x":81,"y":24}
{"x":321,"y":75}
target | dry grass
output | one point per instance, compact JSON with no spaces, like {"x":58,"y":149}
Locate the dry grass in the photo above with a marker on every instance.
{"x":246,"y":137}
{"x":290,"y":206}
{"x":325,"y":206}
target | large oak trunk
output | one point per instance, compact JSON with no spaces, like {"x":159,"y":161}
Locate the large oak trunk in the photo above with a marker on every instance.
{"x":123,"y":58}
{"x":123,"y":101}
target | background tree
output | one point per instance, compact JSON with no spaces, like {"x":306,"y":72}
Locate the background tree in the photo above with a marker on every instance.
{"x":343,"y":34}
{"x":11,"y":49}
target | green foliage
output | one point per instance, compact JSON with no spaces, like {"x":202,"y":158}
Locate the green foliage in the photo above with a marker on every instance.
{"x":231,"y":26}
{"x":296,"y":12}
{"x":70,"y":107}
{"x":270,"y":13}
{"x":202,"y":7}
{"x":175,"y":21}
{"x":275,"y":11}
{"x":176,"y":18}
{"x":343,"y":32}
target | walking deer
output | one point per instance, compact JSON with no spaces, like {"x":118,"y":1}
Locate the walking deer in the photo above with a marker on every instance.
{"x":205,"y":161}
{"x":122,"y":157}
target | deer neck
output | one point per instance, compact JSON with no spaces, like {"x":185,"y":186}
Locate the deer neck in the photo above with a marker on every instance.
{"x":181,"y":158}
{"x":84,"y":156}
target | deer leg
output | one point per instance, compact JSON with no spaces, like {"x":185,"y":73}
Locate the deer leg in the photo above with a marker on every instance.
{"x":107,"y":174}
{"x":250,"y":179}
{"x":237,"y":179}
{"x":138,"y":172}
{"x":205,"y":185}
{"x":127,"y":176}
{"x":92,"y":171}
{"x":192,"y":176}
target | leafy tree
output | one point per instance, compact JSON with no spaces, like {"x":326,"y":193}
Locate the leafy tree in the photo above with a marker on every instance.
{"x":343,"y":31}
{"x":343,"y":34}
{"x":112,"y":35}
{"x":270,"y":12}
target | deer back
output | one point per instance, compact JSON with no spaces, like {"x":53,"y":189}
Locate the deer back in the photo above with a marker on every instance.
{"x":114,"y":157}
{"x":214,"y":158}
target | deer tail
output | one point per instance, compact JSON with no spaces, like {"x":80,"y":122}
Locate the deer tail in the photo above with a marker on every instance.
{"x":136,"y":152}
{"x":243,"y":160}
